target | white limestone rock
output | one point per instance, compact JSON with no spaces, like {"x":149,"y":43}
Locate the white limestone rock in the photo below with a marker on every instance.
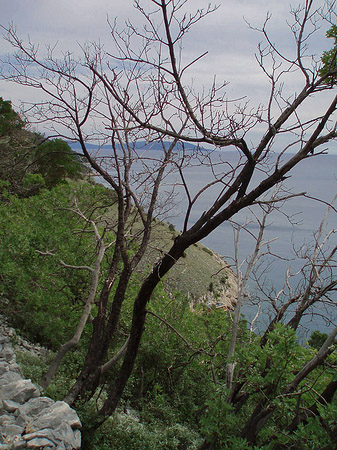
{"x":28,"y":421}
{"x":40,"y":443}
{"x":10,"y":406}
{"x":19,"y":391}
{"x":55,"y":415}
{"x":12,"y":430}
{"x":35,"y":406}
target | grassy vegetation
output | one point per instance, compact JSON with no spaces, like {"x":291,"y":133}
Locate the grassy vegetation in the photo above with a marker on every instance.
{"x":193,"y":273}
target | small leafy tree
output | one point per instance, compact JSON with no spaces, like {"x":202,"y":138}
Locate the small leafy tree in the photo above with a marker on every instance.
{"x":10,"y":121}
{"x":55,"y":161}
{"x":329,"y":58}
{"x":29,"y":161}
{"x":317,"y":339}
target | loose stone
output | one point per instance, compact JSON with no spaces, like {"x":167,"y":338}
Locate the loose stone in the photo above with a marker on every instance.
{"x":28,"y":421}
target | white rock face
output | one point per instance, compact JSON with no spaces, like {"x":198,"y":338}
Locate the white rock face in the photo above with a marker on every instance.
{"x":28,"y":421}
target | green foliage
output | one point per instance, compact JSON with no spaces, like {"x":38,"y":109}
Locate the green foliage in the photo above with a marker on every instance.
{"x":221,"y":424}
{"x":33,"y":183}
{"x":66,"y":374}
{"x":39,"y":295}
{"x":4,"y":190}
{"x":32,"y":367}
{"x":25,"y":163}
{"x":329,"y":58}
{"x":124,"y":432}
{"x":9,"y":119}
{"x":224,"y":279}
{"x":171,"y":381}
{"x":317,"y":339}
{"x":55,"y":161}
{"x":171,"y":228}
{"x":207,"y":250}
{"x":168,"y":383}
{"x":266,"y":372}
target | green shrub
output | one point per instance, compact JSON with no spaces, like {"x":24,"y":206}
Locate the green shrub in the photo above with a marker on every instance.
{"x":207,"y":250}
{"x":39,"y":295}
{"x":317,"y":339}
{"x":123,"y":432}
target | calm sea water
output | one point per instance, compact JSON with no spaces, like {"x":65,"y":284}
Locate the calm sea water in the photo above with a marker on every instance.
{"x":316,"y":176}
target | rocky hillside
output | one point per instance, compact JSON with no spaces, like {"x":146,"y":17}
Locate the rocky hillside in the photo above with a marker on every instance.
{"x":27,"y":420}
{"x":201,"y":274}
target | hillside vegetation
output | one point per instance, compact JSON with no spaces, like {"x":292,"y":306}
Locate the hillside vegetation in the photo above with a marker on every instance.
{"x":176,"y":397}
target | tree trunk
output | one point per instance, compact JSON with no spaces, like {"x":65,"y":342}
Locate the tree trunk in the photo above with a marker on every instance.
{"x":136,"y":331}
{"x":90,"y":375}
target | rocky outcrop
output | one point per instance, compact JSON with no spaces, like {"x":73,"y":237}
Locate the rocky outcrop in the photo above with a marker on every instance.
{"x":27,"y":420}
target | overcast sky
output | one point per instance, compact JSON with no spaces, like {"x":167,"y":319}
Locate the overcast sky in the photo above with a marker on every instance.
{"x":224,"y":34}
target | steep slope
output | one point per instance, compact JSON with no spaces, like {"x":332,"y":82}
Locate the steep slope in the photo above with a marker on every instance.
{"x":201,"y":274}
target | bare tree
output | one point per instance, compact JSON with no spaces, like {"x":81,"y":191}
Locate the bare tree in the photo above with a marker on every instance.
{"x":317,"y":279}
{"x":245,"y":268}
{"x":102,"y":247}
{"x":139,"y":91}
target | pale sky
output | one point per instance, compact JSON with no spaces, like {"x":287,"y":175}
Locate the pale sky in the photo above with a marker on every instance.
{"x":224,"y":34}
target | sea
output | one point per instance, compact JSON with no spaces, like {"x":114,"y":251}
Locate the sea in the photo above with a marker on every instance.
{"x":291,"y":228}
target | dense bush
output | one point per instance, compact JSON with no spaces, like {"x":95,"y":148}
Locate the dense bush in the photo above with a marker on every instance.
{"x":28,"y":161}
{"x":38,"y":294}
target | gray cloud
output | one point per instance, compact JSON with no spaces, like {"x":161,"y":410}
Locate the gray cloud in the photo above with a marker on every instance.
{"x":230,"y":43}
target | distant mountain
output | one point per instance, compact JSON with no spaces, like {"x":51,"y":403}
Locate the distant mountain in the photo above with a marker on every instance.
{"x":141,"y":145}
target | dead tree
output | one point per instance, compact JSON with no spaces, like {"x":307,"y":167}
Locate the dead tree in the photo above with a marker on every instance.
{"x":244,"y":270}
{"x":102,"y":247}
{"x":317,"y":283}
{"x":312,"y":285}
